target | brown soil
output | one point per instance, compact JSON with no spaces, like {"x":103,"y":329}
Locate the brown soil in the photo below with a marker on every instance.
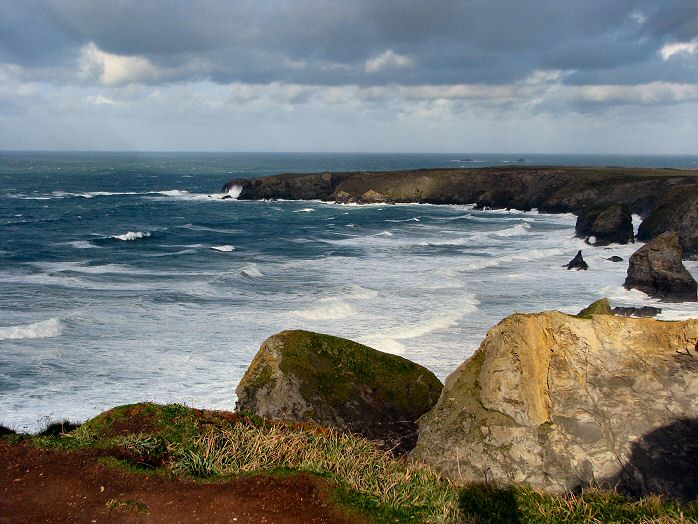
{"x":39,"y":485}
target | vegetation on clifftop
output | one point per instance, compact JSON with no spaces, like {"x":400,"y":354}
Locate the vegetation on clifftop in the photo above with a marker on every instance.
{"x":209,"y":445}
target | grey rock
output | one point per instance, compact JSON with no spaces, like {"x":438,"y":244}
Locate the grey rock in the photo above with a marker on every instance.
{"x":577,"y":262}
{"x":642,"y":312}
{"x":607,"y":223}
{"x":656,"y":269}
{"x":310,"y":377}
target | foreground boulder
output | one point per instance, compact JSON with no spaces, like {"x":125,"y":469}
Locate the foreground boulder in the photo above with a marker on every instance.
{"x":656,"y":269}
{"x":305,"y":376}
{"x":605,"y":224}
{"x":558,"y":402}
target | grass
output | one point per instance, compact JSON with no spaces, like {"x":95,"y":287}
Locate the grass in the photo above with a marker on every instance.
{"x":210,"y":445}
{"x":485,"y":504}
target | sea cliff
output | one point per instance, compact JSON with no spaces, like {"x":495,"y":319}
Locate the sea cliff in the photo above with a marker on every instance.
{"x":666,"y":199}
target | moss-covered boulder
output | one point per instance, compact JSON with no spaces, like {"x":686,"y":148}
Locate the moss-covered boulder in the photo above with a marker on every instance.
{"x":305,"y":376}
{"x":600,"y":307}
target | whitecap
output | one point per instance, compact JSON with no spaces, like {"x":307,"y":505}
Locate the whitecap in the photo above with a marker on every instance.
{"x":251,"y":271}
{"x":82,"y":244}
{"x":330,"y":309}
{"x":132,"y":235}
{"x":43,"y":329}
{"x":305,"y":210}
{"x":225,"y":249}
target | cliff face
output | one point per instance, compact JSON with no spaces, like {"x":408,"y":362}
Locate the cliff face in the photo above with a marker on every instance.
{"x":558,"y":402}
{"x":666,"y":197}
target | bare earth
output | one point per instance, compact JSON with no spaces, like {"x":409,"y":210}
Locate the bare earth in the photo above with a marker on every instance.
{"x":39,"y":485}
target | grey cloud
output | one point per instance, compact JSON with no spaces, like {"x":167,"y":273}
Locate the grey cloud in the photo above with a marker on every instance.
{"x":328,"y":42}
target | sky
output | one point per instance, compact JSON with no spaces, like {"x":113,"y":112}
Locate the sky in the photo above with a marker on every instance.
{"x":537,"y":76}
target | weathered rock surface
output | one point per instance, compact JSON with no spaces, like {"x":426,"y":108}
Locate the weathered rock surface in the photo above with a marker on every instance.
{"x":666,"y":198}
{"x":559,"y":402}
{"x":677,"y":211}
{"x":656,"y":269}
{"x":634,"y":311}
{"x":374,"y":197}
{"x":600,"y":307}
{"x":606,"y":223}
{"x":577,"y":262}
{"x":615,"y":258}
{"x":305,"y":376}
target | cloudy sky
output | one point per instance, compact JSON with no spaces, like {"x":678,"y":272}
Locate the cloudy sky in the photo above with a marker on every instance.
{"x":546,"y":76}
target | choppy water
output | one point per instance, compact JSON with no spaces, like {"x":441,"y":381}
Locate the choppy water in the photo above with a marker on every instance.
{"x":125,"y":277}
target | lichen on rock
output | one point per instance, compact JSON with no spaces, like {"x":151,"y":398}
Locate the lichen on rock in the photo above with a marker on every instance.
{"x":305,"y":376}
{"x":558,"y":402}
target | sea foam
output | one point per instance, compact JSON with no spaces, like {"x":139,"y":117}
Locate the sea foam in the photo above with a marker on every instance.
{"x":132,"y":235}
{"x":45,"y":328}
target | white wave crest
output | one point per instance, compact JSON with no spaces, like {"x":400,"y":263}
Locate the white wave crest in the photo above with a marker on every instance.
{"x":251,"y":271}
{"x":234,"y":192}
{"x":330,"y":309}
{"x":132,"y":235}
{"x":519,"y":229}
{"x":225,"y":249}
{"x":46,"y":328}
{"x":82,"y":244}
{"x":305,"y":210}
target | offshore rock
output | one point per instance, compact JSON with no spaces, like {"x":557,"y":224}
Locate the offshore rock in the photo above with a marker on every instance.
{"x":559,"y":402}
{"x":577,"y":262}
{"x":309,"y":377}
{"x":634,"y":311}
{"x":607,"y":223}
{"x":615,"y":258}
{"x":656,"y":269}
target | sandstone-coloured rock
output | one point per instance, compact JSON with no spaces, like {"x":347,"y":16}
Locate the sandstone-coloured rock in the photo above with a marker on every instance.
{"x":606,"y":223}
{"x":656,"y":269}
{"x":374,"y":197}
{"x":305,"y":376}
{"x":342,"y":197}
{"x":558,"y":402}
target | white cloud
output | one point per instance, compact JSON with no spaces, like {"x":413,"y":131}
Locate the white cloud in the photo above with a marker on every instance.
{"x":112,"y":69}
{"x":638,"y":17}
{"x":100,"y":100}
{"x":676,"y":48}
{"x":387,"y":60}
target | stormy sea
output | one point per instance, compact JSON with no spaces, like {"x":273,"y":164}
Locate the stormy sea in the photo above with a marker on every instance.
{"x":128,"y":276}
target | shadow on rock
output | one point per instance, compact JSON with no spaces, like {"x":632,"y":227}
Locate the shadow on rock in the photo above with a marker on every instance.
{"x":664,"y":461}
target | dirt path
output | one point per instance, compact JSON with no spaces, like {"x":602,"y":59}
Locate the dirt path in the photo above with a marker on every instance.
{"x":48,"y":486}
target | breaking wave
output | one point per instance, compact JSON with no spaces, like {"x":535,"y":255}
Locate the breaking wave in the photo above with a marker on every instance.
{"x":43,"y":329}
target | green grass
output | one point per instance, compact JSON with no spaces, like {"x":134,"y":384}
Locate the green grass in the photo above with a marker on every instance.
{"x":209,"y":445}
{"x":491,"y":505}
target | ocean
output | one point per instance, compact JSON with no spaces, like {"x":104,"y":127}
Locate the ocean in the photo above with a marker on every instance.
{"x":126,"y":277}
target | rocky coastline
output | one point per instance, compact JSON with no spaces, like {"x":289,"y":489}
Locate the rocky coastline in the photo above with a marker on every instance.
{"x":665,"y":199}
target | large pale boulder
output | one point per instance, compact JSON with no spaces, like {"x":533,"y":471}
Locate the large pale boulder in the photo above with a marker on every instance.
{"x":558,"y":402}
{"x":308,"y":377}
{"x":657,"y":269}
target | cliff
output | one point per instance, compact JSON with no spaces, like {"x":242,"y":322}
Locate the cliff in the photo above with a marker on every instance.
{"x":558,"y":402}
{"x":665,"y":198}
